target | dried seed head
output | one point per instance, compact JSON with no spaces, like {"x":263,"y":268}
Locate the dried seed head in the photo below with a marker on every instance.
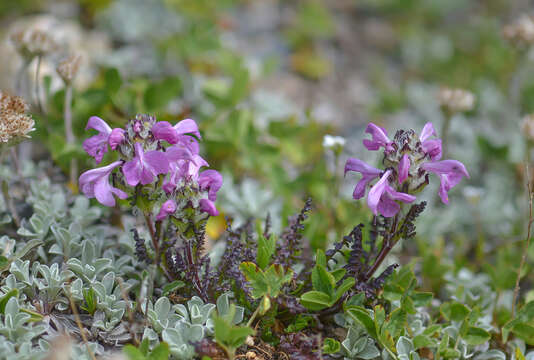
{"x":33,"y":42}
{"x":68,"y":68}
{"x":249,"y":341}
{"x":15,"y":124}
{"x":456,"y":100}
{"x":527,"y":127}
{"x":521,"y":31}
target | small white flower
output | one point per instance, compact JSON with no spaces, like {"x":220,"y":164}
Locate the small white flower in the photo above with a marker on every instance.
{"x":332,"y":142}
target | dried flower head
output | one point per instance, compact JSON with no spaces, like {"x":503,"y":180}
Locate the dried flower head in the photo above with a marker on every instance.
{"x":30,"y":43}
{"x":521,"y":31}
{"x":15,"y":124}
{"x":527,"y":127}
{"x":456,"y":100}
{"x":68,"y":68}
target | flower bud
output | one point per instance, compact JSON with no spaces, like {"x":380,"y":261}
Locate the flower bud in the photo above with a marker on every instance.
{"x":521,"y":31}
{"x":116,"y":137}
{"x":33,"y":42}
{"x":68,"y":68}
{"x":456,"y":100}
{"x":168,"y":208}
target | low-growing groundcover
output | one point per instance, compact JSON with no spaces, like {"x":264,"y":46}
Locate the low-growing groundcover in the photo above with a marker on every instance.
{"x":118,"y":240}
{"x":154,"y":290}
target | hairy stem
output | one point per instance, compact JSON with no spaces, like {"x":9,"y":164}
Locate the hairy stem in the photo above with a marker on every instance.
{"x":390,"y":239}
{"x":527,"y":243}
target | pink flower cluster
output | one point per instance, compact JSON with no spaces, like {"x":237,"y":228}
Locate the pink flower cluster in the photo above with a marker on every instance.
{"x":408,"y":159}
{"x":155,"y":154}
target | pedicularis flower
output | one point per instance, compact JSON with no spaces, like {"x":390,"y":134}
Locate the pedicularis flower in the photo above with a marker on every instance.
{"x":408,"y":160}
{"x":157,"y":161}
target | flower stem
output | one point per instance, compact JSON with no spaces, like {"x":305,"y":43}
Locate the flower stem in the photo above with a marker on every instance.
{"x":527,"y":243}
{"x":37,"y":85}
{"x":69,"y":134}
{"x":390,"y":239}
{"x":445,"y":131}
{"x":254,"y":314}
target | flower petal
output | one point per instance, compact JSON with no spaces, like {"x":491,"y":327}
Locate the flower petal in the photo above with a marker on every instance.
{"x":167,"y":208}
{"x":163,"y":130}
{"x":132,"y":172}
{"x":187,"y":126}
{"x":210,"y":180}
{"x":96,"y":146}
{"x":116,"y":137}
{"x":432,"y":147}
{"x":157,"y":162}
{"x":428,"y":131}
{"x":208,"y":206}
{"x":373,"y":198}
{"x":387,"y":206}
{"x":404,"y":167}
{"x":99,"y":125}
{"x":379,"y":138}
{"x":360,"y":166}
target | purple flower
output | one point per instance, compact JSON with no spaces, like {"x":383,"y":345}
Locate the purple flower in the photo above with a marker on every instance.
{"x":116,"y":137}
{"x":95,"y":183}
{"x":379,"y":138}
{"x":210,"y":180}
{"x":432,"y":147}
{"x":368,"y":173}
{"x":163,"y":130}
{"x":450,"y":173}
{"x":181,"y":169}
{"x":208,"y":206}
{"x":168,"y":208}
{"x":382,"y":196}
{"x":404,"y":168}
{"x":97,"y":145}
{"x":145,"y":166}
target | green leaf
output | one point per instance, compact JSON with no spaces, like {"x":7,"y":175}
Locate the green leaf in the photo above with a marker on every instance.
{"x":266,"y":248}
{"x":4,"y":299}
{"x":160,"y":352}
{"x":476,"y":336}
{"x":331,"y":346}
{"x":343,"y":288}
{"x":315,"y":300}
{"x":320,"y":258}
{"x":524,"y":331}
{"x":229,"y":336}
{"x":338,"y":274}
{"x":4,"y":263}
{"x":256,"y":278}
{"x":133,"y":353}
{"x":29,"y":246}
{"x":423,"y":341}
{"x":265,"y":283}
{"x":175,"y":285}
{"x":361,"y":315}
{"x":454,"y":311}
{"x":421,"y":298}
{"x":322,"y":280}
